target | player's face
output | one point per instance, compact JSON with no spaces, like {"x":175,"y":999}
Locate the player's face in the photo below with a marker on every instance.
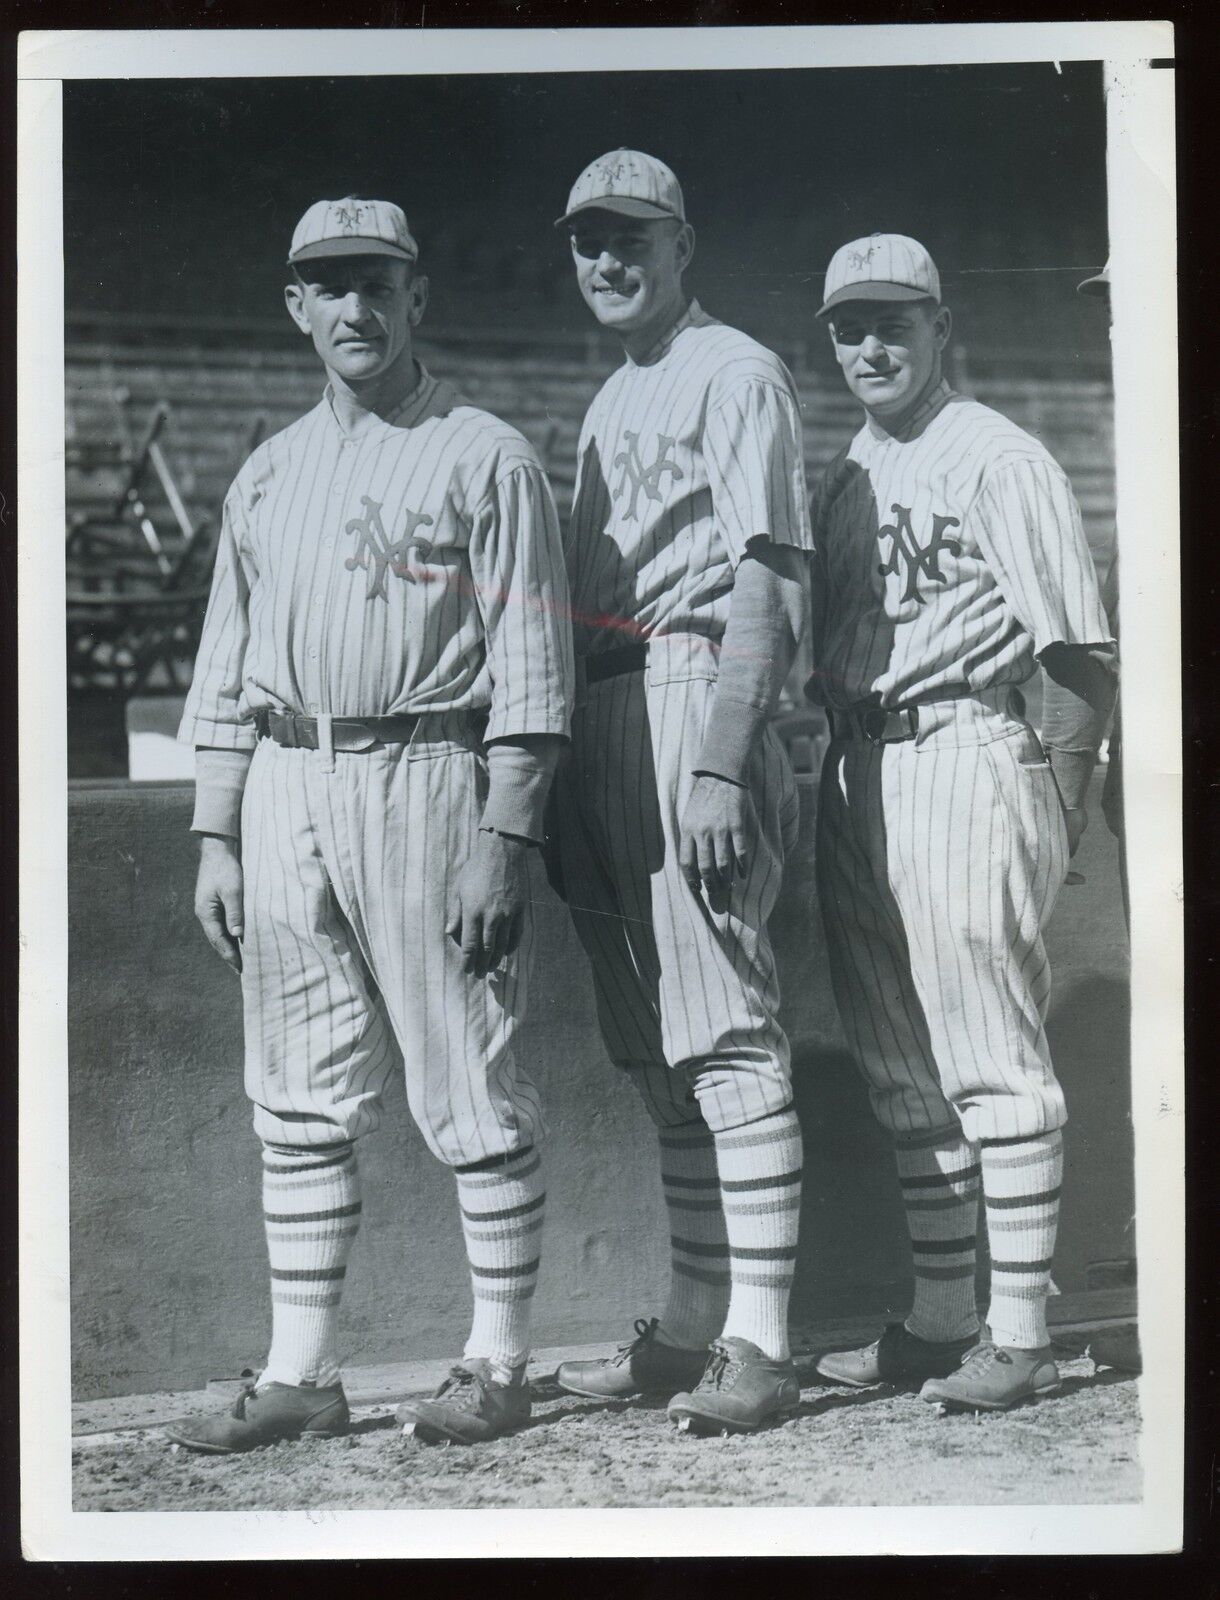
{"x":889,"y":351}
{"x":630,"y":271}
{"x":359,"y":312}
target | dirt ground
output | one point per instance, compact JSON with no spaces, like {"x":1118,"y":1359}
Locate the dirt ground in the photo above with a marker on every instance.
{"x":846,"y":1447}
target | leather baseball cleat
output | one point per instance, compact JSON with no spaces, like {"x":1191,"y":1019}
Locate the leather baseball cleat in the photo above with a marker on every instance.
{"x":645,"y":1366}
{"x":469,"y":1407}
{"x":898,"y":1356}
{"x":264,"y":1416}
{"x":992,"y":1378}
{"x":740,"y":1390}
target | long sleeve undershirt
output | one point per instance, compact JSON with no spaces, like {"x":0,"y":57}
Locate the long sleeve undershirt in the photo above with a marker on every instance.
{"x":766,"y":618}
{"x":1076,"y":708}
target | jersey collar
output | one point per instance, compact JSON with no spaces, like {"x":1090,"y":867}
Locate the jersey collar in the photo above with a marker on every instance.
{"x":693,"y":317}
{"x":406,"y":413}
{"x":932,"y":404}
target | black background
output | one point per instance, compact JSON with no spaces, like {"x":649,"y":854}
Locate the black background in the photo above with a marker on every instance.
{"x":180,"y":198}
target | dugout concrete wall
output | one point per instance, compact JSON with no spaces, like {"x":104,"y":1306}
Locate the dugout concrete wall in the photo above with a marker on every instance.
{"x":168,"y":1265}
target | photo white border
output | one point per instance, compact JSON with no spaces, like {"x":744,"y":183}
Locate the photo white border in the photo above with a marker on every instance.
{"x":1143,"y":254}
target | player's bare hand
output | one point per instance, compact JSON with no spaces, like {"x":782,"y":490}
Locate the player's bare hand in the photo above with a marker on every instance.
{"x":218,"y":897}
{"x":487,"y":914}
{"x":1077,"y":819}
{"x":716,"y":831}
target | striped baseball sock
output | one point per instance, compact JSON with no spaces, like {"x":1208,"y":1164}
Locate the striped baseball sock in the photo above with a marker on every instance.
{"x":699,"y":1261}
{"x":939,"y":1174}
{"x":503,"y":1202}
{"x":760,"y":1187}
{"x":1021,"y":1183}
{"x":311,"y":1208}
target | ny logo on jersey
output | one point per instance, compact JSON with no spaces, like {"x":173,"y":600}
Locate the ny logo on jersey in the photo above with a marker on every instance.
{"x":376,"y":553}
{"x":637,"y":476}
{"x":918,"y":558}
{"x":349,"y":217}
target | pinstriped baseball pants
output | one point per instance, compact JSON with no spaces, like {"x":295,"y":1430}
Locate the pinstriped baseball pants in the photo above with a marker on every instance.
{"x":348,"y":975}
{"x":939,"y":860}
{"x":677,"y":986}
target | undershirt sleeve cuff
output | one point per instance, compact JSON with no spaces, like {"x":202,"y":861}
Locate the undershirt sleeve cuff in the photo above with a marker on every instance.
{"x":728,"y":742}
{"x":518,"y":780}
{"x":220,"y":781}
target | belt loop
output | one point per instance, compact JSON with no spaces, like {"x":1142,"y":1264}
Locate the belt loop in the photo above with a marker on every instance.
{"x":326,"y":740}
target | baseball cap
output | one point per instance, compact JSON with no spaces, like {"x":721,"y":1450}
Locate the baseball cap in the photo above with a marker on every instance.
{"x":1099,"y":284}
{"x":352,"y":227}
{"x":885,"y":266}
{"x":629,"y":182}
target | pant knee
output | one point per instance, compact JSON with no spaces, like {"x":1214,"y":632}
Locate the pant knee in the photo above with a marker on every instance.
{"x":734,"y":1093}
{"x":667,"y":1092}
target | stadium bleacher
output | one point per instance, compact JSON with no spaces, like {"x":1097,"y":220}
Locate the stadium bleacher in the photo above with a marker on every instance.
{"x":225,"y":384}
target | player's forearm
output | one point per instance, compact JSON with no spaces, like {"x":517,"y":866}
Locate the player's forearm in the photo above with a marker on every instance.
{"x":1076,"y":708}
{"x":766,"y":619}
{"x":519,"y":773}
{"x":220,"y":781}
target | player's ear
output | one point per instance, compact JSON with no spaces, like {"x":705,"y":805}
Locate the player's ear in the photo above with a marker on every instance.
{"x":294,"y":299}
{"x":942,"y":326}
{"x":684,"y":246}
{"x":419,"y":299}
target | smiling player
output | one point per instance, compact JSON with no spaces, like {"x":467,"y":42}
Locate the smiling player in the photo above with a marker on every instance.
{"x":951,"y":560}
{"x":381,"y":689}
{"x":688,"y":569}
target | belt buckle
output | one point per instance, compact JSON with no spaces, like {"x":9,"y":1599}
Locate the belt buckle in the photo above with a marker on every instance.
{"x":872,"y":724}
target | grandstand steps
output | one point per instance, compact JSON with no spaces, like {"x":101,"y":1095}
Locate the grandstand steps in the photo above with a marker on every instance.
{"x":216,"y":391}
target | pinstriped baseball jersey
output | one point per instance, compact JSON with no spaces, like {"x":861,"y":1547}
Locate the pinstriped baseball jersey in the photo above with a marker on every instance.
{"x":413,"y":566}
{"x":684,"y":457}
{"x":951,"y":555}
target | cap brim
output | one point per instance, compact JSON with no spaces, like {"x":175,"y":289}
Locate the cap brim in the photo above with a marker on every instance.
{"x":624,"y":206}
{"x":875,"y":291}
{"x":1098,"y":285}
{"x":349,"y":247}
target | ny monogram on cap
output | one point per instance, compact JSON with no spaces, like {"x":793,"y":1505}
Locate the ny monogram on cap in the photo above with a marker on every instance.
{"x":629,"y":182}
{"x":885,"y":266}
{"x":351,"y":227}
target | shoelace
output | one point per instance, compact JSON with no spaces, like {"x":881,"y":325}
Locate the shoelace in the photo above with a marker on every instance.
{"x":238,"y":1408}
{"x":984,"y":1356}
{"x":464,"y":1389}
{"x":721,"y":1365}
{"x":645,"y":1329}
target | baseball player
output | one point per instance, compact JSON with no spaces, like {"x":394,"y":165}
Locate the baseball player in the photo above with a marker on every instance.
{"x":950,"y":560}
{"x":382,"y":686}
{"x":1058,"y":709}
{"x":1116,"y":1346}
{"x":687,"y":559}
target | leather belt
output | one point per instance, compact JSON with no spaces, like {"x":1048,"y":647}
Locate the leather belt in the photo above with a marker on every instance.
{"x":297,"y":732}
{"x":876,"y":724}
{"x":613,"y":663}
